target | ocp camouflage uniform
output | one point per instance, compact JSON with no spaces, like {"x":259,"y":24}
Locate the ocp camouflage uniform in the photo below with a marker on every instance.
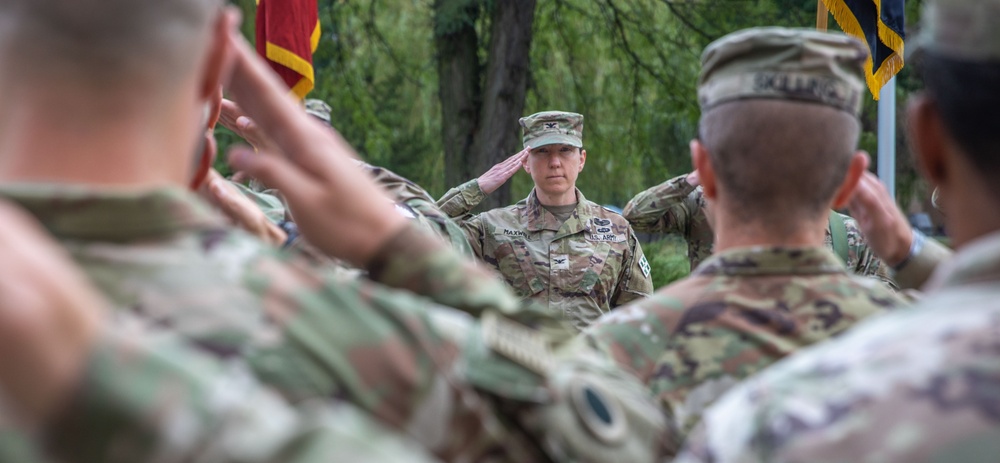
{"x":412,"y":201}
{"x":146,"y":396}
{"x":420,"y":368}
{"x":581,"y":268}
{"x":738,"y":312}
{"x":677,"y":207}
{"x":405,"y":192}
{"x":916,"y":385}
{"x":747,"y":307}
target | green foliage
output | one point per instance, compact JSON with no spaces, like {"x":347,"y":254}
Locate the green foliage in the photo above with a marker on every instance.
{"x":630,"y":66}
{"x":668,"y":260}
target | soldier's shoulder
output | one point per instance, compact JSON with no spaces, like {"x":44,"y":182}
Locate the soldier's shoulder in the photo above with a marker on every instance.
{"x":512,"y":214}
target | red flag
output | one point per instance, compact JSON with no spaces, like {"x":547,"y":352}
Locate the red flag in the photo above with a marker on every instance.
{"x":287,"y":35}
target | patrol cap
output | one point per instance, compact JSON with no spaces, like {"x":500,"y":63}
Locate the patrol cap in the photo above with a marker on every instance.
{"x":965,"y":30}
{"x":318,"y":109}
{"x":787,"y":64}
{"x":551,"y":127}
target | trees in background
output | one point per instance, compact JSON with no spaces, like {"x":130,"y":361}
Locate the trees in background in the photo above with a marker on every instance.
{"x":433,"y":88}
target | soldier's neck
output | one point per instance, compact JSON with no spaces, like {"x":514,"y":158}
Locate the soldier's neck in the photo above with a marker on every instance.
{"x":732,"y":233}
{"x":563,"y":199}
{"x":99,"y":146}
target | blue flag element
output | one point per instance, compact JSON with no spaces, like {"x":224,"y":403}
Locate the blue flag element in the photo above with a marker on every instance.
{"x":880,"y":24}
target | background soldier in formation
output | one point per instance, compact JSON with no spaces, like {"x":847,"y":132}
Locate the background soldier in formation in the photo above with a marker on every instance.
{"x":678,"y":206}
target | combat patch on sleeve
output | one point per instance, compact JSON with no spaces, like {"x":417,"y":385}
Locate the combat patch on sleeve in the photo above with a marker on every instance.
{"x":521,"y":344}
{"x":644,"y":266}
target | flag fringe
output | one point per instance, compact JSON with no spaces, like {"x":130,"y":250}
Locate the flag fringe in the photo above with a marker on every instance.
{"x":875,"y":78}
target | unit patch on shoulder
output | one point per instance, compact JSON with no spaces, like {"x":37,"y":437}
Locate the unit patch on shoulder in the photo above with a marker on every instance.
{"x":644,"y":266}
{"x":517,"y":342}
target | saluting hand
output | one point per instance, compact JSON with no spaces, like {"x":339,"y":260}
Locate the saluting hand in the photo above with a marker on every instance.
{"x":503,"y":171}
{"x":886,"y":230}
{"x":340,"y":210}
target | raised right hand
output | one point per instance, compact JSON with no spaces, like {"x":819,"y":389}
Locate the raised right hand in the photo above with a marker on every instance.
{"x":503,"y":171}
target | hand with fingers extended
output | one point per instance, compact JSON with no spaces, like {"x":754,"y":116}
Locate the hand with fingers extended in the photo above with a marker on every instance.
{"x":885,"y":228}
{"x":240,"y":210}
{"x":503,"y":171}
{"x":49,"y":319}
{"x":339,"y":210}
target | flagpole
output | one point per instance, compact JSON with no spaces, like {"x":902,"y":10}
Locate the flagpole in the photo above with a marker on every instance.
{"x":822,"y":15}
{"x":887,"y":136}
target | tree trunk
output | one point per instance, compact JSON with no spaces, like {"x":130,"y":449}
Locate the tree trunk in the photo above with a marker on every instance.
{"x":498,"y":134}
{"x":458,"y":84}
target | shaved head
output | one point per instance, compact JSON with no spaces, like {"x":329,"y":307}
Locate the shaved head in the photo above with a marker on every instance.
{"x":778,"y":162}
{"x":104,"y":43}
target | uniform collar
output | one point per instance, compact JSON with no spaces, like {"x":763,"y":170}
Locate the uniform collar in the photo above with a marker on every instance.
{"x":78,"y":212}
{"x":538,"y":218}
{"x":769,"y":260}
{"x":977,"y":262}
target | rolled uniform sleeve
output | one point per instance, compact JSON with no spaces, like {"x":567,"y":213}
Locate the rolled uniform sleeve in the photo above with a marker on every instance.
{"x":635,"y":281}
{"x":462,"y":199}
{"x":919,"y":268}
{"x":664,"y":208}
{"x":158,"y":401}
{"x":457,"y":204}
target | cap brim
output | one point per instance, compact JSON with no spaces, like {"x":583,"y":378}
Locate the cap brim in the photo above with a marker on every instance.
{"x":555,"y":139}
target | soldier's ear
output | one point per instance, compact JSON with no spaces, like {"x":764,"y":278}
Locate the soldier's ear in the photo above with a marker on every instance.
{"x":703,"y":164}
{"x":927,"y":138}
{"x":857,"y":168}
{"x":583,"y":159}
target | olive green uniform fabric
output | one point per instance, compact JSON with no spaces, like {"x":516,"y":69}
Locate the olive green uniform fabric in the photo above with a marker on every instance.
{"x":146,"y":396}
{"x":677,"y":207}
{"x":740,"y":311}
{"x":580,"y":268}
{"x":420,"y":368}
{"x":917,"y":385}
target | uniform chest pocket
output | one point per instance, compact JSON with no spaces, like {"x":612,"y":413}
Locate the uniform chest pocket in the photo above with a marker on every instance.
{"x":598,"y":264}
{"x":513,"y":261}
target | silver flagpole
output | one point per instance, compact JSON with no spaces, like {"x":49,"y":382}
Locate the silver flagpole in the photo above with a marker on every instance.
{"x":887,"y":136}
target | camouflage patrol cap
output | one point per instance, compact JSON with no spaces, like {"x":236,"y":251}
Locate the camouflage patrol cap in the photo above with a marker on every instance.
{"x":966,"y":30}
{"x":318,"y":109}
{"x":788,"y":64}
{"x":550,"y":127}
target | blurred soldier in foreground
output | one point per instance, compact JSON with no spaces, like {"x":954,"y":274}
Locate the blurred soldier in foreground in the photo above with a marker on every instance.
{"x":99,"y":142}
{"x":412,"y":201}
{"x":124,"y":394}
{"x":678,"y":206}
{"x":555,"y":247}
{"x":776,"y":103}
{"x":918,"y":385}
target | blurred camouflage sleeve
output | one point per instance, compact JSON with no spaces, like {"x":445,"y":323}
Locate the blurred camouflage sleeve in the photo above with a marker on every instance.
{"x":270,"y":204}
{"x":443,"y":225}
{"x":152,"y":399}
{"x":919,"y":268}
{"x":462,"y":199}
{"x":418,"y":263}
{"x":636,"y":281}
{"x":664,"y":208}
